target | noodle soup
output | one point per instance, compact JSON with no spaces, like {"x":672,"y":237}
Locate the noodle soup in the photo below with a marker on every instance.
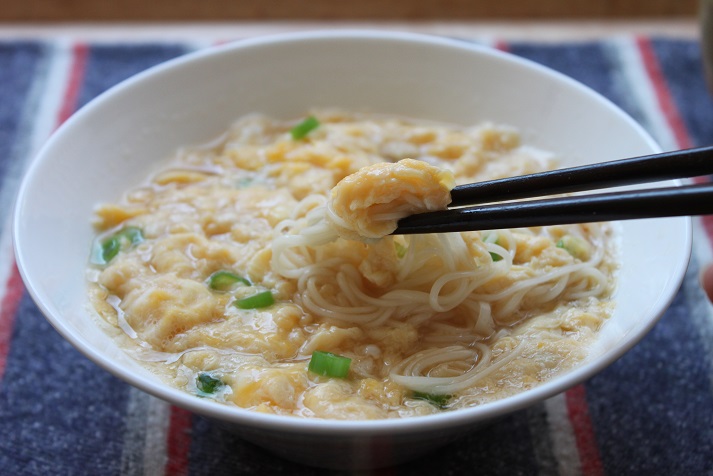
{"x":230,"y":275}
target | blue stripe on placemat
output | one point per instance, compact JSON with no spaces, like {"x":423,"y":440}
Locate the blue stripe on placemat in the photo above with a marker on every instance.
{"x":19,"y":63}
{"x":59,"y":412}
{"x":21,"y":71}
{"x":654,"y":405}
{"x":683,"y":69}
{"x":596,"y":65}
{"x":588,"y":63}
{"x":218,"y":452}
{"x":108,"y":65}
{"x":503,"y":448}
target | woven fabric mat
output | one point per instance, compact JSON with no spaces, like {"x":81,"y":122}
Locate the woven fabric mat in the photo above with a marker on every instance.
{"x":650,"y":413}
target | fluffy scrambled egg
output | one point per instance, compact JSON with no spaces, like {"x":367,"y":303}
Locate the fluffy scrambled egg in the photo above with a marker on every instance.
{"x":369,"y":203}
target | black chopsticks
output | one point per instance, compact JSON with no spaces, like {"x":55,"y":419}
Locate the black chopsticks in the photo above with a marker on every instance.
{"x":622,"y":205}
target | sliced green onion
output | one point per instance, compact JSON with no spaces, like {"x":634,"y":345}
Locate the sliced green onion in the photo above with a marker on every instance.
{"x":133,"y":234}
{"x":400,"y":249}
{"x":492,"y":238}
{"x":495,"y":257}
{"x":256,"y":301}
{"x":329,"y":364}
{"x":107,"y":249}
{"x":301,"y":130}
{"x":225,"y":280}
{"x":110,"y":248}
{"x":575,"y":246}
{"x":440,"y":401}
{"x":208,"y":384}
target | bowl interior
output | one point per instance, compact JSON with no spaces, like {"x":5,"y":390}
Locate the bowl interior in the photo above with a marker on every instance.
{"x":115,"y":142}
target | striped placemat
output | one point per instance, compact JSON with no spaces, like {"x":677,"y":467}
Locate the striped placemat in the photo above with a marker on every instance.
{"x":650,"y":413}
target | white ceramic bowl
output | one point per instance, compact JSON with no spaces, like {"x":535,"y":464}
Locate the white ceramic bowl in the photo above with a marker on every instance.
{"x":113,"y":143}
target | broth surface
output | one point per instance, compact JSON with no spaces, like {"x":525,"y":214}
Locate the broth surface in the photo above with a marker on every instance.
{"x":430,"y":322}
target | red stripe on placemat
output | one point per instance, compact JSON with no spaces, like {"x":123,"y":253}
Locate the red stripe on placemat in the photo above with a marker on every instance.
{"x":663,"y":96}
{"x":707,"y":222}
{"x":14,"y":287}
{"x":76,"y":76}
{"x":13,"y":293}
{"x":584,"y":435}
{"x":179,"y":442}
{"x":501,"y":45}
{"x":668,"y":108}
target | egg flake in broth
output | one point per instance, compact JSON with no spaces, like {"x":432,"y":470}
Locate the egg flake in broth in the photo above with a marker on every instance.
{"x":429,"y":322}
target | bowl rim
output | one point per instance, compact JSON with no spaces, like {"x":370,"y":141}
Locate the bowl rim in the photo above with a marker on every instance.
{"x":289,"y":424}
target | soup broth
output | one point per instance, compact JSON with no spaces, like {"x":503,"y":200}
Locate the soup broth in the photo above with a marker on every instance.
{"x":225,"y":275}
